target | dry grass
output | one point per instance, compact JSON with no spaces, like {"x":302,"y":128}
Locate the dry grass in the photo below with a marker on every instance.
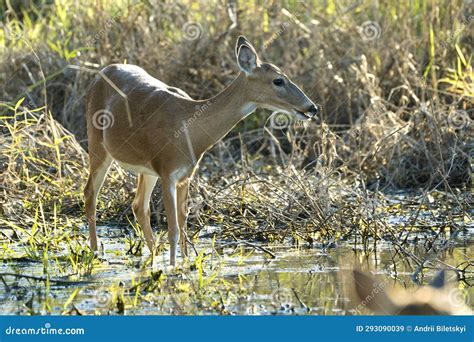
{"x":405,"y":88}
{"x":397,"y":110}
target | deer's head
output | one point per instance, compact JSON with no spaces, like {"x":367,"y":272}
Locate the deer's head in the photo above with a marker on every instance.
{"x":435,"y":299}
{"x":269,"y":87}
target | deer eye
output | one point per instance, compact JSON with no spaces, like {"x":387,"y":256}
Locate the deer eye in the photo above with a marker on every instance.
{"x":278,"y":82}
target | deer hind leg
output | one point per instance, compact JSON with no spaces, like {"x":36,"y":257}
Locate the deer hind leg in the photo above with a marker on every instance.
{"x":99,"y":161}
{"x":141,"y":207}
{"x":171,"y":208}
{"x":182,"y":204}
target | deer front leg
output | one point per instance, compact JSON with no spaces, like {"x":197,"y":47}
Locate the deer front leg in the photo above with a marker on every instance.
{"x":141,"y":207}
{"x":171,"y":209}
{"x":99,"y":165}
{"x":182,"y":202}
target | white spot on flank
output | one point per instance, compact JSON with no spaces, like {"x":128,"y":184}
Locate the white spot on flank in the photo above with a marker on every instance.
{"x":248,"y":108}
{"x":146,"y":169}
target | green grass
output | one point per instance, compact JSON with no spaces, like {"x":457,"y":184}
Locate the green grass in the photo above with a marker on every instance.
{"x":397,"y":112}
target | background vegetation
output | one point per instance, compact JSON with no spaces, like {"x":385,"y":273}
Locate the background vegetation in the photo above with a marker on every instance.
{"x":394,"y":81}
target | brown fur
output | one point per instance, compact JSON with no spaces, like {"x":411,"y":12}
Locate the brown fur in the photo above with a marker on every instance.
{"x":434,"y":299}
{"x":159,"y":131}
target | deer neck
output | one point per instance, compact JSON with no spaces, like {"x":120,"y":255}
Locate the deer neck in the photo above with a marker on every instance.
{"x":220,"y":114}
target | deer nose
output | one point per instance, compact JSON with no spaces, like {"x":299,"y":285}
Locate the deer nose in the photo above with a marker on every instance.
{"x":313,"y":110}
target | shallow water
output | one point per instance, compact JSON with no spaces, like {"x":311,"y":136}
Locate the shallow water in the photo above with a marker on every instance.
{"x":223,"y":277}
{"x":234,"y":279}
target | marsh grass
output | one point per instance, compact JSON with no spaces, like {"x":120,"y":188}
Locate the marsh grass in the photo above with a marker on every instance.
{"x":407,"y":90}
{"x":397,"y":112}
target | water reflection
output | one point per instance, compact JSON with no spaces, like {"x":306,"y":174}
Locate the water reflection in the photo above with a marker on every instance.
{"x":237,"y":280}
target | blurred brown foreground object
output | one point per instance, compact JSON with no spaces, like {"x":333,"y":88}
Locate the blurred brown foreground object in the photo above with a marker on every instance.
{"x":437,"y":298}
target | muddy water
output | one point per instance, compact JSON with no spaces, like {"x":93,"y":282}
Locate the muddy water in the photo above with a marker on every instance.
{"x":234,"y":279}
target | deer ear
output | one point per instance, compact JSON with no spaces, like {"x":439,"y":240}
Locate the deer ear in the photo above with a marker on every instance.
{"x":241,"y":41}
{"x":247,"y":59}
{"x":372,"y":294}
{"x":439,"y":281}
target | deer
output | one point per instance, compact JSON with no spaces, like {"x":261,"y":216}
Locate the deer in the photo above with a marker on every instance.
{"x":437,"y":298}
{"x":160,"y":132}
